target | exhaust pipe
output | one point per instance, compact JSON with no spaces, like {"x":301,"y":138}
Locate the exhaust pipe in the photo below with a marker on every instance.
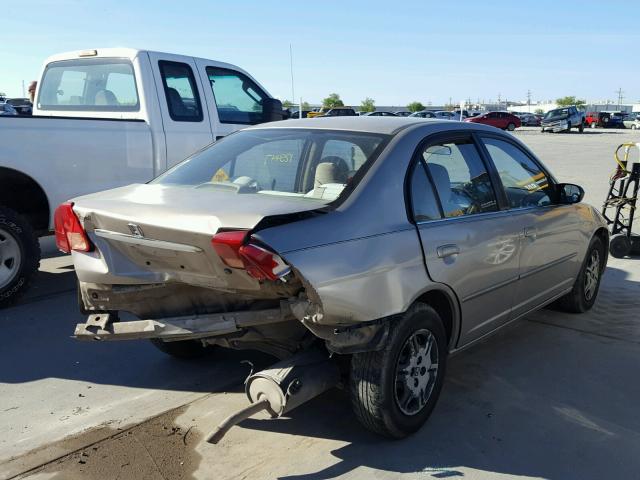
{"x":282,"y":387}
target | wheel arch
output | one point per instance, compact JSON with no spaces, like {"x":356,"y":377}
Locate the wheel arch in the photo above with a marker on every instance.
{"x":446,"y":304}
{"x":24,"y":195}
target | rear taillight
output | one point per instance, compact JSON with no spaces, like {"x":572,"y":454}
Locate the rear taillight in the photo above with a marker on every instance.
{"x":236,"y":251}
{"x":69,"y":233}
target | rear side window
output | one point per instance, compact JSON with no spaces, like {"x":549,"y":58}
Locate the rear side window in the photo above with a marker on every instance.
{"x":524,"y":181}
{"x":101,"y":84}
{"x":180,"y":91}
{"x":460,"y":178}
{"x":423,"y":200}
{"x":238,"y":98}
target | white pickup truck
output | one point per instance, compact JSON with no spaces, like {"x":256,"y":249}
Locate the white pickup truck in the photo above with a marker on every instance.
{"x":106,"y":118}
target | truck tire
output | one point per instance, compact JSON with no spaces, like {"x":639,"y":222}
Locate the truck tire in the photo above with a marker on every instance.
{"x":393,"y":391}
{"x":183,"y":349}
{"x":568,"y":127}
{"x":581,"y":127}
{"x":19,"y":256}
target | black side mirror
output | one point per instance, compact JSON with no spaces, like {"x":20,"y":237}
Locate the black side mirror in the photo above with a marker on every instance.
{"x":272,"y":110}
{"x":570,"y":193}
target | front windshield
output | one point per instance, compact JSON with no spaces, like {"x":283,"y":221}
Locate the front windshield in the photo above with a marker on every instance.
{"x":557,"y":112}
{"x":315,"y":164}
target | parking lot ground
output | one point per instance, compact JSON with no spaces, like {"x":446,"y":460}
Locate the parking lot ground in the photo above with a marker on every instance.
{"x":553,"y":396}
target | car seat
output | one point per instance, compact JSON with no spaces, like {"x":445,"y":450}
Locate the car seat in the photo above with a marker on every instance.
{"x":105,"y":97}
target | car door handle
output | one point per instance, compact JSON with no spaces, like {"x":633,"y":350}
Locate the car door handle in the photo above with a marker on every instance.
{"x":531,"y":232}
{"x":447,"y":250}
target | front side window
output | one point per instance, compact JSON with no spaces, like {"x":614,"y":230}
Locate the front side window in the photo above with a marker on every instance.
{"x":296,"y":163}
{"x":460,"y":178}
{"x":525,"y":183}
{"x":180,"y":91}
{"x":100,"y":84}
{"x":238,"y":98}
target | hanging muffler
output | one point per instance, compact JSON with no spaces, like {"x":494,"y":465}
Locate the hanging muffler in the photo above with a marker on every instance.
{"x":284,"y":386}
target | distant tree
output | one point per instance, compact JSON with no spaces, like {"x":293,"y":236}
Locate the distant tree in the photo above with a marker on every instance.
{"x":287,"y":104}
{"x":538,"y":111}
{"x":306,"y":106}
{"x":333,"y":100}
{"x":368,"y":105}
{"x":570,"y":100}
{"x":415,"y":107}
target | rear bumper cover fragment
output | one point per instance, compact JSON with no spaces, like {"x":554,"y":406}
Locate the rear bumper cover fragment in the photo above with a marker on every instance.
{"x":104,"y":326}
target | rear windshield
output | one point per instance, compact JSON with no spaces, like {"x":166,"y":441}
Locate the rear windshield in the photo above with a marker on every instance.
{"x":100,"y":84}
{"x":315,"y":164}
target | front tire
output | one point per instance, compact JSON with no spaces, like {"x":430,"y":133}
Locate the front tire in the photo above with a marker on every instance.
{"x":511,"y":127}
{"x":585,"y":289}
{"x":19,"y":256}
{"x":581,"y":127}
{"x":394,"y":390}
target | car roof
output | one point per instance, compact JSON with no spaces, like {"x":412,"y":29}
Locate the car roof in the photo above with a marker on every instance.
{"x":382,"y":124}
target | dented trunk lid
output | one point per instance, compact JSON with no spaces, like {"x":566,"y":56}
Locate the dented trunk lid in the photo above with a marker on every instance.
{"x":161,"y":233}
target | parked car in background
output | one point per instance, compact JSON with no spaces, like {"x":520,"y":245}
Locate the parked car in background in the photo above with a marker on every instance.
{"x":333,"y":112}
{"x":446,"y":115}
{"x":106,"y":118}
{"x":403,"y":113}
{"x":378,"y":114}
{"x":530,"y":119}
{"x":604,"y":120}
{"x":424,"y":114}
{"x":563,"y":120}
{"x":22,"y":105}
{"x":295,"y":114}
{"x":6,"y":109}
{"x":632,"y":121}
{"x":283,"y":238}
{"x":503,"y":120}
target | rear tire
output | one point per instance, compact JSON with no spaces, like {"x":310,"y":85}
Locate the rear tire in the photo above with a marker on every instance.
{"x":183,"y":349}
{"x":394,"y":390}
{"x":511,"y":127}
{"x":19,"y":256}
{"x":587,"y":284}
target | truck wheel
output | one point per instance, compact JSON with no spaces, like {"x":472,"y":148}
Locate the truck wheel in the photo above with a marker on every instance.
{"x":568,"y":127}
{"x":581,"y":127}
{"x":585,"y":288}
{"x":511,"y":127}
{"x":184,"y":349}
{"x":19,"y":255}
{"x":394,"y":390}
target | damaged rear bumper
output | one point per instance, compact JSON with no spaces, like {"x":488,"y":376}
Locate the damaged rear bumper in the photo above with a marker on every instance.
{"x":106,"y":326}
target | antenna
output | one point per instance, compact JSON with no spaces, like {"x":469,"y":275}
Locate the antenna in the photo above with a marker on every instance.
{"x":293,"y":94}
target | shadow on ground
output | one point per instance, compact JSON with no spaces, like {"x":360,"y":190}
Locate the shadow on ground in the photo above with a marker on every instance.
{"x":534,"y":400}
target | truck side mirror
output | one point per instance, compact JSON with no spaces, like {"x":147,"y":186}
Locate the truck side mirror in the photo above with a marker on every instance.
{"x":272,"y":110}
{"x":570,"y":193}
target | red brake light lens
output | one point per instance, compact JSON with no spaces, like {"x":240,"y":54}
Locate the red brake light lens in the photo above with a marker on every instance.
{"x":227,"y":246}
{"x":69,"y":233}
{"x":260,"y":263}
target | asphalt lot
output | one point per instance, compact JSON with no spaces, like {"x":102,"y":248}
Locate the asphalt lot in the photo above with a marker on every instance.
{"x":553,"y":396}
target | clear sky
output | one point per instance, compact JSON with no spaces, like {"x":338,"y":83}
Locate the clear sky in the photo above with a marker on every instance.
{"x":394,"y":52}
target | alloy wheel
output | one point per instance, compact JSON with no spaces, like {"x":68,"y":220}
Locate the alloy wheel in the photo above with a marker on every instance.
{"x":591,"y":275}
{"x":416,"y":372}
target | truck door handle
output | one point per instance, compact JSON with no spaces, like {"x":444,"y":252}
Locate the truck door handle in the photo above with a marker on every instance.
{"x":447,"y":250}
{"x":531,"y":232}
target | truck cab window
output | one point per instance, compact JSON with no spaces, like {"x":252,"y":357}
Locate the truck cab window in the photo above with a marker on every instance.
{"x":102,"y":85}
{"x":238,"y":98}
{"x":180,"y":91}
